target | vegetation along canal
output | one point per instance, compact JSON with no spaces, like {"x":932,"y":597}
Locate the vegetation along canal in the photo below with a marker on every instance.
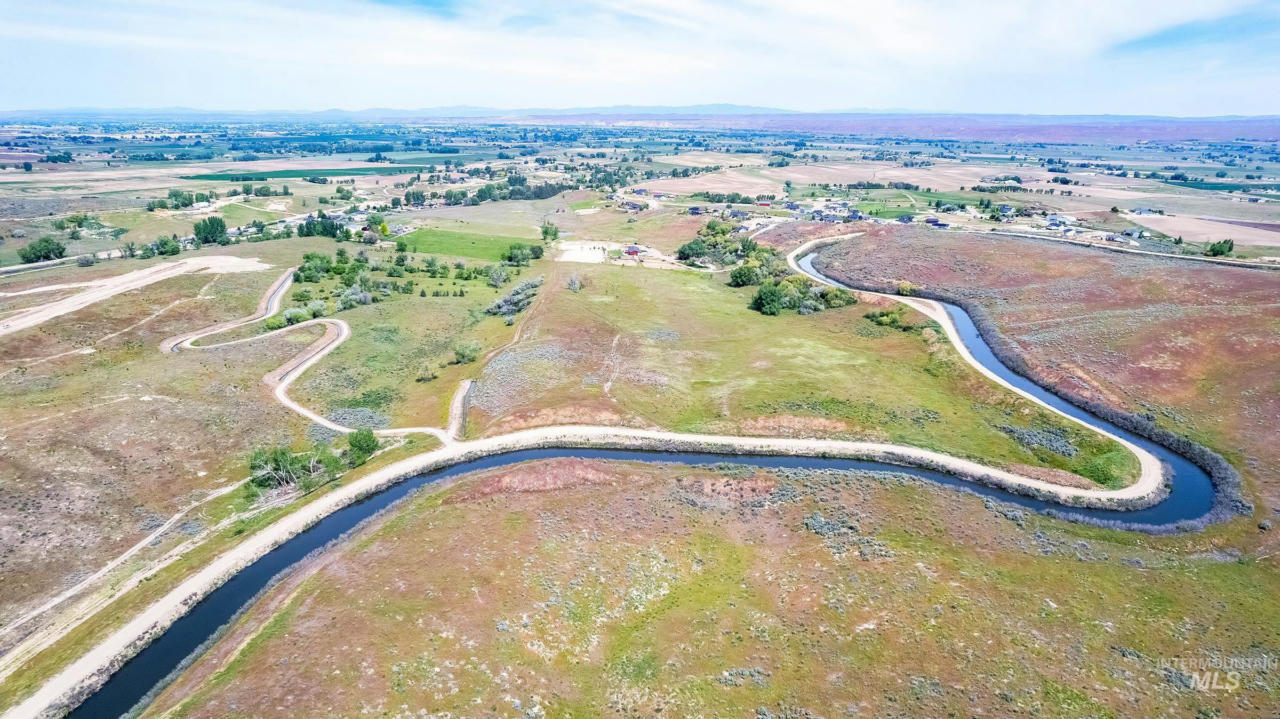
{"x":1191,"y":498}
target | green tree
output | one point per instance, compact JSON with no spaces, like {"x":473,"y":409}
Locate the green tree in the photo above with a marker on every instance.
{"x":45,"y":248}
{"x":362,"y":443}
{"x":743,"y":276}
{"x":769,"y":299}
{"x":211,"y":229}
{"x":690,"y":250}
{"x":168,"y":246}
{"x":1219,"y":249}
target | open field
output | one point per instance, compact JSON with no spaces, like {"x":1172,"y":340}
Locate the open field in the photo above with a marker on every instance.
{"x":105,"y":437}
{"x":476,"y":245}
{"x":681,"y":351}
{"x":748,"y":181}
{"x":1204,"y":230}
{"x":1194,"y":345}
{"x":589,"y":588}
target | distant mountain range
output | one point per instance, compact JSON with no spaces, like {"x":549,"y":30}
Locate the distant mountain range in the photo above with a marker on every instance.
{"x":881,"y":123}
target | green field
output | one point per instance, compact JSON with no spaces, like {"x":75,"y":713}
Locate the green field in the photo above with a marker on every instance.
{"x":460,"y":244}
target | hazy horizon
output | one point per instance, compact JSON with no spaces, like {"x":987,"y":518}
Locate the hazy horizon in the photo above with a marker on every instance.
{"x":1205,"y":58}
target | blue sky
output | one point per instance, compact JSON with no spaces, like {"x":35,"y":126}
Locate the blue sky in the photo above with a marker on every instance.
{"x":1170,"y":57}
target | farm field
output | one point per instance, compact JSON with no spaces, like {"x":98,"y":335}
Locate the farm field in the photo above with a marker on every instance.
{"x":1194,"y":345}
{"x":454,"y":243}
{"x":590,"y":588}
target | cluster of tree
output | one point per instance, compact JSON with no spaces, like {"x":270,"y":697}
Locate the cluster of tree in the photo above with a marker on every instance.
{"x":691,"y":171}
{"x":550,"y":232}
{"x":998,"y":188}
{"x":1220,"y":248}
{"x":733,"y":198}
{"x":515,"y":301}
{"x":77,"y":220}
{"x":799,"y":293}
{"x":45,"y":248}
{"x":316,"y":265}
{"x":895,"y":318}
{"x":322,"y":226}
{"x":57,"y":157}
{"x":716,"y":243}
{"x":415,"y":197}
{"x":280,"y":467}
{"x":163,"y":246}
{"x":211,"y":230}
{"x":520,"y":254}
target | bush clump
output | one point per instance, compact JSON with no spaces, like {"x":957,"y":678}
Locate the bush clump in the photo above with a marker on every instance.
{"x":515,"y":301}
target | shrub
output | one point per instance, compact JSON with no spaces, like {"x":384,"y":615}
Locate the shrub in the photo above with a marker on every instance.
{"x":466,"y":352}
{"x":274,"y":322}
{"x":769,"y":299}
{"x":167,"y":246}
{"x":744,"y":276}
{"x":317,"y":308}
{"x":1218,"y":249}
{"x":294,"y":315}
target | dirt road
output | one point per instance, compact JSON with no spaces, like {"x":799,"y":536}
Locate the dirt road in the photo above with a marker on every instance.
{"x":99,"y":290}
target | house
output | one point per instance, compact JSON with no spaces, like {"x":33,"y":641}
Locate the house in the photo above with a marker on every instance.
{"x":906,"y":219}
{"x":695,"y":210}
{"x":1006,"y":209}
{"x":931,"y":220}
{"x":764,"y":204}
{"x":791,"y":206}
{"x":640,"y":191}
{"x":633,"y":250}
{"x":1057,"y":219}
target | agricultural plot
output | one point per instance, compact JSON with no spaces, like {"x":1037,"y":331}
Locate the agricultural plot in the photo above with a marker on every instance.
{"x":453,"y":243}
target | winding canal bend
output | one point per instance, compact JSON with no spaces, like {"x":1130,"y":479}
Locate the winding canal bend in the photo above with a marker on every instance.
{"x":1191,"y":496}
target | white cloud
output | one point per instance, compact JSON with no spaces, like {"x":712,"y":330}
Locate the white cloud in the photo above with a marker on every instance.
{"x":995,"y":55}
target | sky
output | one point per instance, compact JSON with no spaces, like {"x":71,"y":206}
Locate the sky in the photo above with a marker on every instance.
{"x":1078,"y":57}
